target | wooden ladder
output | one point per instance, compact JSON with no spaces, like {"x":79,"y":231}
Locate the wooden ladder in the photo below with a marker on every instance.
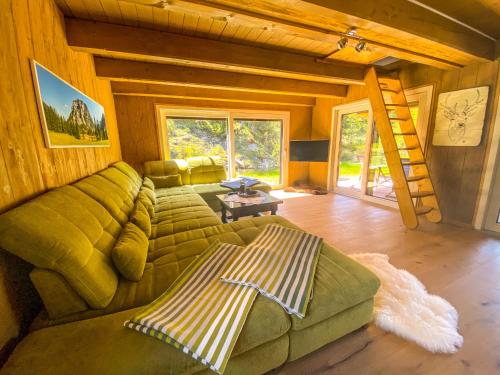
{"x":409,"y":171}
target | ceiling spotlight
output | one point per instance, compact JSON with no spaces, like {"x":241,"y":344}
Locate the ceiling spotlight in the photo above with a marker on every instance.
{"x":360,"y":46}
{"x":342,"y":43}
{"x":352,"y":31}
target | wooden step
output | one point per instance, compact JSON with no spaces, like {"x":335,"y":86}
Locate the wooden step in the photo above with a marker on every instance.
{"x":421,"y":194}
{"x":416,"y":178}
{"x":398,"y":119}
{"x":422,"y":210}
{"x":413,"y":162}
{"x":406,"y":133}
{"x":397,"y":105}
{"x":390,"y":90}
{"x":408,"y":148}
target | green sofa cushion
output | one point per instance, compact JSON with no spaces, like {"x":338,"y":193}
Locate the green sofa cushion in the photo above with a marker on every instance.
{"x":58,"y":297}
{"x":103,"y":346}
{"x":129,"y":171}
{"x":113,"y":198}
{"x":340,"y":283}
{"x":150,"y":193}
{"x":167,"y":181}
{"x":67,"y":232}
{"x":144,"y":199}
{"x":148,"y":183}
{"x":140,"y":217}
{"x":130,"y":252}
{"x":206,"y":170}
{"x":168,"y":167}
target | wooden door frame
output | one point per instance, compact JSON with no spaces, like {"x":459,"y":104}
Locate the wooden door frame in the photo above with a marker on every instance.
{"x":425,"y":92}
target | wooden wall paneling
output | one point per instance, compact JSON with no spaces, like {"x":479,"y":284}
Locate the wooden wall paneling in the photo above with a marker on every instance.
{"x":475,"y":156}
{"x":34,"y":29}
{"x":24,"y":41}
{"x":18,"y":147}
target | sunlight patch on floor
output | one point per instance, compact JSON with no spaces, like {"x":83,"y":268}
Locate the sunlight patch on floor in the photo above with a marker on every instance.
{"x":280,"y":194}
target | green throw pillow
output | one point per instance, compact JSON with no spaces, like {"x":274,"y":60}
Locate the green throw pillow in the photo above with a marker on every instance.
{"x":130,"y":252}
{"x":143,"y":198}
{"x":166,"y":181}
{"x":140,"y":217}
{"x":148,"y":183}
{"x":150,"y":193}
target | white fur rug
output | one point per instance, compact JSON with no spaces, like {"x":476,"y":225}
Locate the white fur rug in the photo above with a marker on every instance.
{"x":403,"y":307}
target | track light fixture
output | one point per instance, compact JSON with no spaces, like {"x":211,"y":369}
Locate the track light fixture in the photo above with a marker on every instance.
{"x":351,"y":33}
{"x":360,"y":46}
{"x":342,"y":43}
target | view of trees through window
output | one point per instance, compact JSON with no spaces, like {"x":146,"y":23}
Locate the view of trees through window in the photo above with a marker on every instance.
{"x":258,"y":149}
{"x":352,"y":149}
{"x":257,"y":142}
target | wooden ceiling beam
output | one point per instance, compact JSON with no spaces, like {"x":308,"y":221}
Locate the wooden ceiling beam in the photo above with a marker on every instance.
{"x":136,"y":43}
{"x":400,"y":26}
{"x":186,"y":92}
{"x":409,"y":18}
{"x":139,"y":71}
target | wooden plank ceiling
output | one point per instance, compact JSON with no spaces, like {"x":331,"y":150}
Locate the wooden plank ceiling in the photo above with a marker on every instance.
{"x":298,"y":36}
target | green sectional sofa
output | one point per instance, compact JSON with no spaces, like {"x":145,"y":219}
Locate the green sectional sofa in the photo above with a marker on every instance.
{"x":70,"y":234}
{"x":203,"y":174}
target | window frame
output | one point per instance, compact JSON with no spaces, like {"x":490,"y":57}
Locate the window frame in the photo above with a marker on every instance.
{"x":163,"y":111}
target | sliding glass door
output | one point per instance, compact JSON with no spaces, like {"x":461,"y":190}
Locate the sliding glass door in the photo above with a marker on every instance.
{"x":251,"y":143}
{"x":352,"y":150}
{"x":360,"y":168}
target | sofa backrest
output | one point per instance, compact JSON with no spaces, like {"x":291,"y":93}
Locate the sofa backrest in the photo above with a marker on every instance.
{"x":168,"y":167}
{"x":69,"y":233}
{"x":206,"y":170}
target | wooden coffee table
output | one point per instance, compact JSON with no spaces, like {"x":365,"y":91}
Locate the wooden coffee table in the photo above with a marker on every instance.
{"x":237,"y":210}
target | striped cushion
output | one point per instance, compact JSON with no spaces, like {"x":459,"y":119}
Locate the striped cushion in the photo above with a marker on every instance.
{"x":280,"y":263}
{"x":199,"y":314}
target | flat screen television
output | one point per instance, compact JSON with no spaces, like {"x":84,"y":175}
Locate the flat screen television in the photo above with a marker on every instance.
{"x":316,"y":150}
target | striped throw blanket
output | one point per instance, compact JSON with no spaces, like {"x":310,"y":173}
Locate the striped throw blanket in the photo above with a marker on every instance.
{"x":199,"y":314}
{"x":280,"y":263}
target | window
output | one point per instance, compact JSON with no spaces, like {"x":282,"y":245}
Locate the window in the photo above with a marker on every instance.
{"x":360,"y":168}
{"x":251,"y":143}
{"x":188,"y":137}
{"x":259,"y":149}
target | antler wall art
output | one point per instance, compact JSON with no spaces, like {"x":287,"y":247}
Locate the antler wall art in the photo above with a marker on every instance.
{"x":460,"y":117}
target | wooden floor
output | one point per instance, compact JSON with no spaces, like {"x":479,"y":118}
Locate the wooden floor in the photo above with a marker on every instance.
{"x":455,"y":262}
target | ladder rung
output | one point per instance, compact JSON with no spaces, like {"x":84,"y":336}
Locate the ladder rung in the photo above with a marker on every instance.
{"x":422,"y":210}
{"x":413,"y":162}
{"x":405,"y":133}
{"x":421,"y":194}
{"x":408,"y":148}
{"x":398,"y":119}
{"x":416,"y":178}
{"x":397,"y":105}
{"x":390,"y":90}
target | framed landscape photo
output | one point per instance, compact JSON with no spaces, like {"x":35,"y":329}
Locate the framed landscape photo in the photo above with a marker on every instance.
{"x":69,"y":117}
